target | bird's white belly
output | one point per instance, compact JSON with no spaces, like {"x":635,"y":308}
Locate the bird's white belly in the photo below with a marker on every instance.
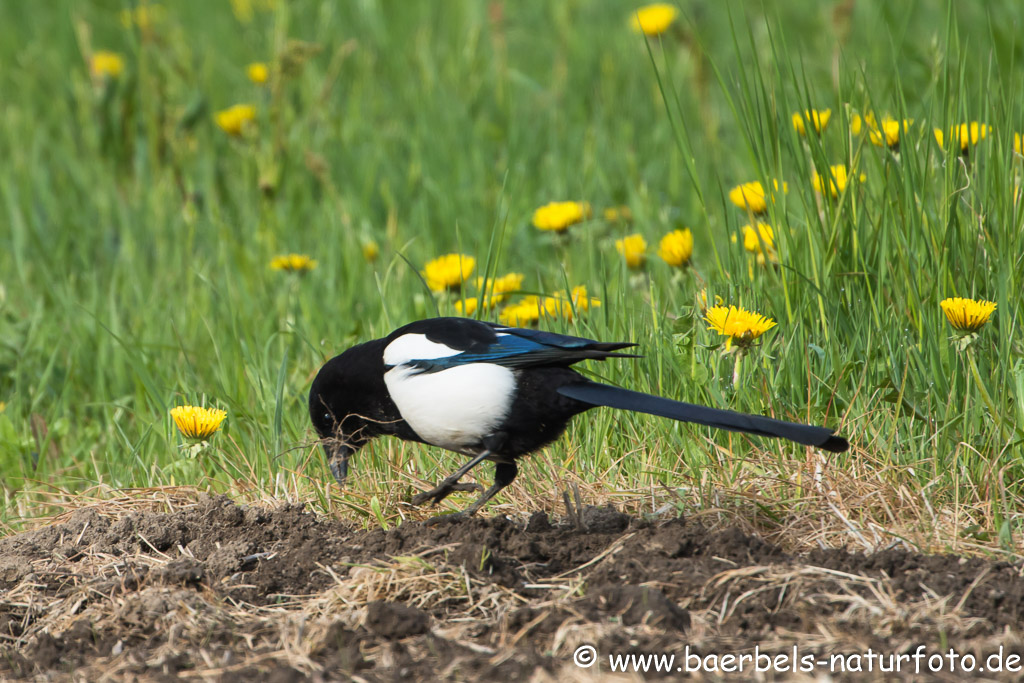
{"x":454,"y":408}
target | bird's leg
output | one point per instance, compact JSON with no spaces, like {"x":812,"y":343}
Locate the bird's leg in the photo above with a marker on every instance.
{"x":468,"y":487}
{"x":504,"y":473}
{"x":450,"y":485}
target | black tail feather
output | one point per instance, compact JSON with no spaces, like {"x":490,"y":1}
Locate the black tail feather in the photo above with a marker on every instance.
{"x":614,"y":397}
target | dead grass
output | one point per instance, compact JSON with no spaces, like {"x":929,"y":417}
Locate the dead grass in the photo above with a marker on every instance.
{"x":800,"y":503}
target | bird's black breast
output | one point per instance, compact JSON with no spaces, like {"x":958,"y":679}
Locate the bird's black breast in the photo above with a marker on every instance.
{"x":539,"y":414}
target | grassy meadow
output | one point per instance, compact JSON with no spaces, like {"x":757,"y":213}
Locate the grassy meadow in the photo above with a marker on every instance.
{"x":137,"y":229}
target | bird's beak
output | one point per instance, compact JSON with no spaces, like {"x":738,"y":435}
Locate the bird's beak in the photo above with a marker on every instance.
{"x":338,"y":454}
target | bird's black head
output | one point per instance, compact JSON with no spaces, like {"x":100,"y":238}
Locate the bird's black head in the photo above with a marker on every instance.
{"x":349,"y":404}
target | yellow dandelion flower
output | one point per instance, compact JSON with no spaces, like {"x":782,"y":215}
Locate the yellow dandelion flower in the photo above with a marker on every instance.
{"x":838,"y":183}
{"x":106,"y":64}
{"x":236,"y":119}
{"x":371,"y":250}
{"x":467,"y":306}
{"x":496,"y":290}
{"x":634,"y":249}
{"x":882,"y":134}
{"x":702,"y":301}
{"x":258,"y":72}
{"x":292,"y":263}
{"x":856,"y":124}
{"x":558,"y":216}
{"x":3,"y":406}
{"x":557,"y":306}
{"x":448,"y":271}
{"x":507,"y":283}
{"x":817,"y":118}
{"x":887,"y":134}
{"x":760,"y":242}
{"x":580,"y":299}
{"x":197,"y":423}
{"x":965,"y":135}
{"x":614,"y":214}
{"x":742,"y":327}
{"x":532,"y":308}
{"x":676,"y":247}
{"x":525,"y":312}
{"x":967,"y":315}
{"x":751,"y":196}
{"x":562,"y":305}
{"x":653,"y":20}
{"x":500,"y":287}
{"x":1017,"y":146}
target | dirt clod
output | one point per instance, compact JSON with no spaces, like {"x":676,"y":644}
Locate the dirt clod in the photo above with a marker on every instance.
{"x":393,"y":620}
{"x":604,"y":520}
{"x":637,"y":605}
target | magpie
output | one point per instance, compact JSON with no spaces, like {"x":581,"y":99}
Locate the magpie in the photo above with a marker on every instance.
{"x":490,"y":392}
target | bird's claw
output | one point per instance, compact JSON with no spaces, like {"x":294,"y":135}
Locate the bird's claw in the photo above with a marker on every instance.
{"x":439,"y":493}
{"x":421,"y":498}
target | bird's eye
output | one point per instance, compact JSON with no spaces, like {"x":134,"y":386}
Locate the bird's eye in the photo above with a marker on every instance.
{"x":327,"y":417}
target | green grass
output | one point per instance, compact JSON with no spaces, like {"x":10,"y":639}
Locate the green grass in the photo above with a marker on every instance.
{"x":136,"y":240}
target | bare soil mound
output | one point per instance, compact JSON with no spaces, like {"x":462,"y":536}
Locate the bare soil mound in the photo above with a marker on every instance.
{"x":220,"y":592}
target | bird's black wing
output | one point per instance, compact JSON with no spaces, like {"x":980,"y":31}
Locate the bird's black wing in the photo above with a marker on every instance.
{"x":603,"y":395}
{"x":512,"y":347}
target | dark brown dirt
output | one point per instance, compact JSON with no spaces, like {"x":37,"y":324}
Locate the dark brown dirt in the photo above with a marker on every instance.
{"x":219,"y":592}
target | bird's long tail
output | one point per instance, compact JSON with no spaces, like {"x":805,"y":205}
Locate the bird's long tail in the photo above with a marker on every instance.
{"x":614,"y":397}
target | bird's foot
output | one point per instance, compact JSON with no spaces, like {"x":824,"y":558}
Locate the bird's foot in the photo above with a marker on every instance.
{"x":440,"y":492}
{"x":445,"y":519}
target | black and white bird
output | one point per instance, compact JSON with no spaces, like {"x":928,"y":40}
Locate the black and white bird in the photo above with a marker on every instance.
{"x":489,"y":392}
